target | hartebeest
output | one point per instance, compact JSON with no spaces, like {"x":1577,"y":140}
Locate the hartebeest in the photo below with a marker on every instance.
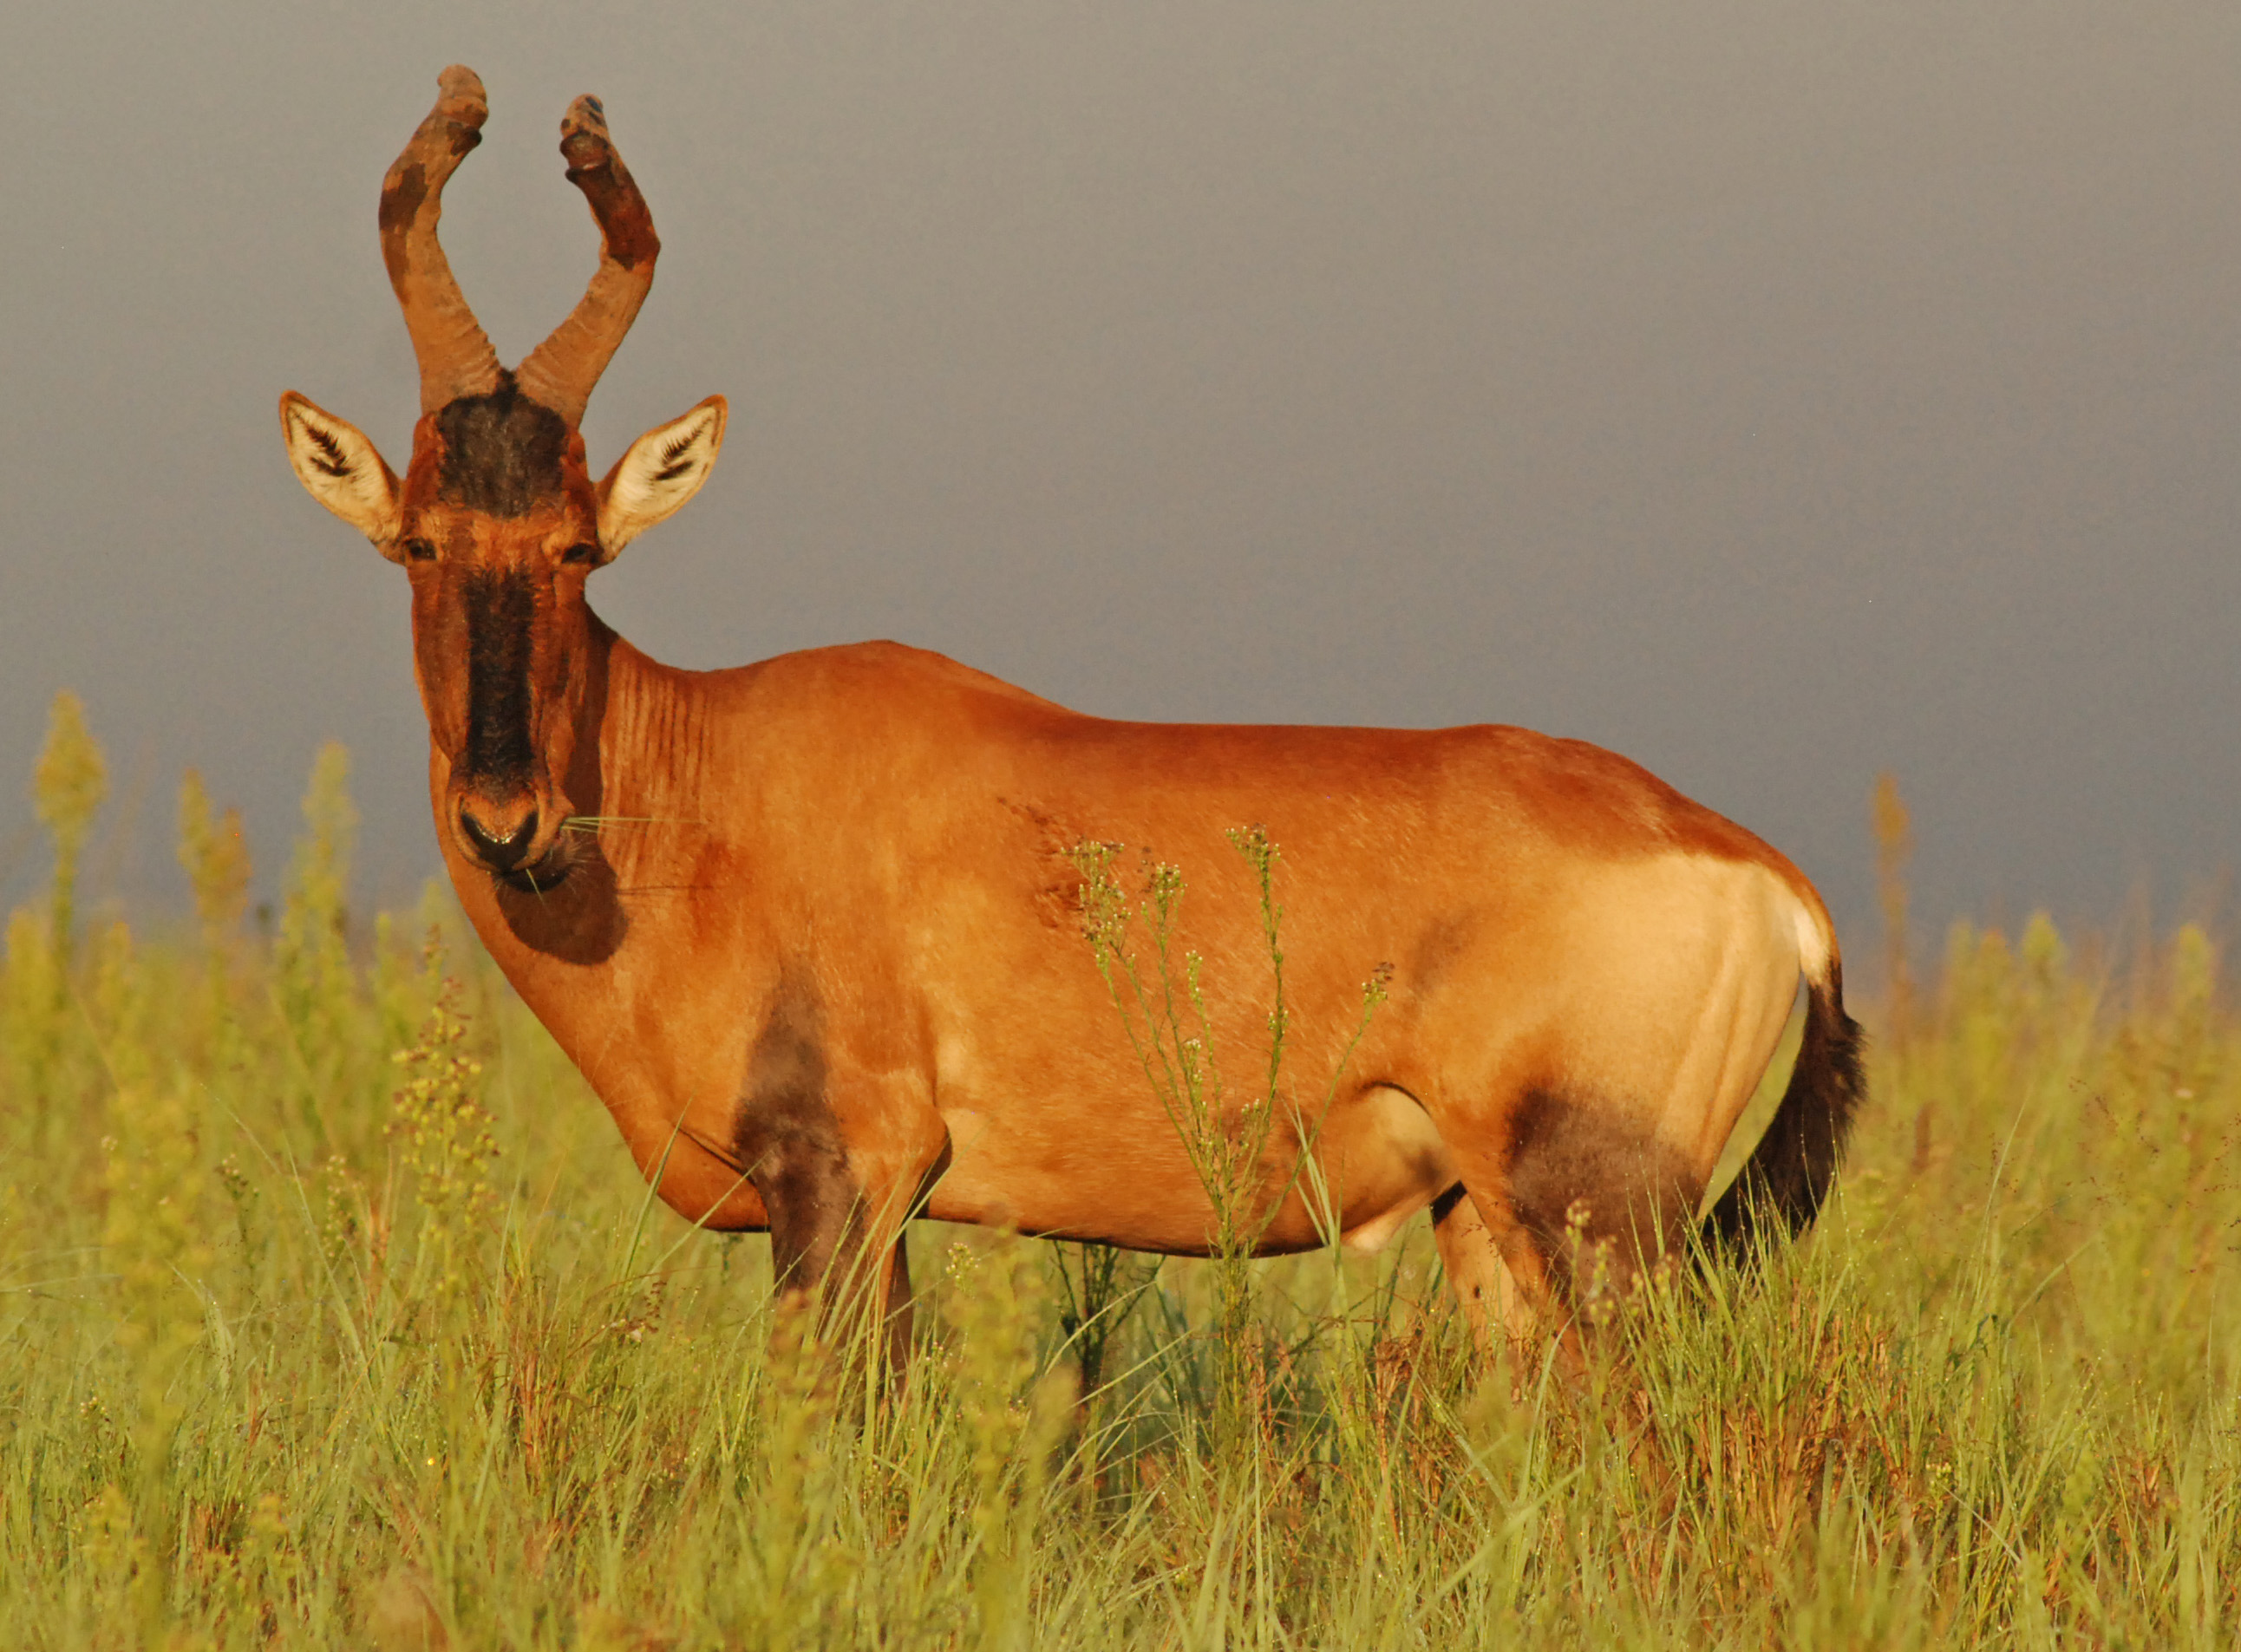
{"x":809,"y":929}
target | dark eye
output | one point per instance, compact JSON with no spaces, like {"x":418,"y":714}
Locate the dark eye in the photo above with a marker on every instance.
{"x":581,"y":554}
{"x":419,"y":550}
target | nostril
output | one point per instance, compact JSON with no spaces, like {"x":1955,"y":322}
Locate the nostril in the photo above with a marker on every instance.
{"x":493,"y":841}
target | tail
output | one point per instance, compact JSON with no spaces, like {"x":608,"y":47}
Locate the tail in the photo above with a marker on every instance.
{"x":1788,"y":1172}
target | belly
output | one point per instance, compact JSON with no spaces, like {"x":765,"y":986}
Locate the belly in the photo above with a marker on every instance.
{"x":1374,"y":1162}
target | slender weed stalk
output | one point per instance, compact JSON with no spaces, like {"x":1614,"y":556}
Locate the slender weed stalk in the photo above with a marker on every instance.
{"x":1226,"y":1136}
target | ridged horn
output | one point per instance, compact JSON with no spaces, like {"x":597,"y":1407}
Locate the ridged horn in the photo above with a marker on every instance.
{"x":455,"y":354}
{"x":561,"y":372}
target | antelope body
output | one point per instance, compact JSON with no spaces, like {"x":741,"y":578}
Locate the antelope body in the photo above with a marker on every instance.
{"x":821,"y":958}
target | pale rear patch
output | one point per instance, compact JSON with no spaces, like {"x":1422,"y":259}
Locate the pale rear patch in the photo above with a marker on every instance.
{"x":1680,"y":971}
{"x":1812,"y":943}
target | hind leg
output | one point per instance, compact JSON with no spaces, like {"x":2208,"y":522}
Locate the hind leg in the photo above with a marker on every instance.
{"x":900,"y":1310}
{"x":1595,"y":1191}
{"x":1491,"y":1296}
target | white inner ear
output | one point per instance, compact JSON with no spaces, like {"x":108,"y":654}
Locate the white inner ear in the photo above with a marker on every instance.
{"x":340,"y":469}
{"x":664,"y":468}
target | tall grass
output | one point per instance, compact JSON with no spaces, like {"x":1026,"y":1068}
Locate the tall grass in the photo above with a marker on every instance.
{"x":302,"y":1344}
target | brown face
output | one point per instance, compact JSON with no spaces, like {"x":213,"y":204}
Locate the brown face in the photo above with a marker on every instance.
{"x":499,"y":528}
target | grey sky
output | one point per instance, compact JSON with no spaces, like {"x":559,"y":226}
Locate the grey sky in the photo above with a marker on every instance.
{"x":1772,"y":393}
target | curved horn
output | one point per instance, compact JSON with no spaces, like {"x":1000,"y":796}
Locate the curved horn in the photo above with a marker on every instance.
{"x":559,"y":372}
{"x":455,"y":355}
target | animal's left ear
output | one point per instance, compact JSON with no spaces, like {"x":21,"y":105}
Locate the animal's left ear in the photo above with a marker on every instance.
{"x":664,"y":468}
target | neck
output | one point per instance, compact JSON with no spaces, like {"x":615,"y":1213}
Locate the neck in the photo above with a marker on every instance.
{"x":645,"y":728}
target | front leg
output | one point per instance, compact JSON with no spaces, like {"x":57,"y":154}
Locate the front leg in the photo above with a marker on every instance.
{"x":837,"y":1238}
{"x":841,"y":1157}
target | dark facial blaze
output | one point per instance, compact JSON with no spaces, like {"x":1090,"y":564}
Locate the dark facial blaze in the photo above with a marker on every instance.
{"x":501,"y":611}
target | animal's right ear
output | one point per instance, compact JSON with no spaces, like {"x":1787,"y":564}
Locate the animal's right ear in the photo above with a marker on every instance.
{"x":664,"y":468}
{"x":339,"y":468}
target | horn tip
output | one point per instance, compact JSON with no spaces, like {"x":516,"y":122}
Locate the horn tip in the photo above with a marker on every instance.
{"x":461,"y":98}
{"x":584,"y":138}
{"x":583,"y":117}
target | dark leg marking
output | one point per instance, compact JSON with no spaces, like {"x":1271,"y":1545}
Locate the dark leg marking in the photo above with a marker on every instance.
{"x":1636,"y":1191}
{"x":789,"y":1138}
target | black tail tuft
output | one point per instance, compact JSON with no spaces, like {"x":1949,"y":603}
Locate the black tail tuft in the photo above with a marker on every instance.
{"x":1788,"y":1172}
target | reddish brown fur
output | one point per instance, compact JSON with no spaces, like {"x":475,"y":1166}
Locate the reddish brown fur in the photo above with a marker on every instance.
{"x":821,"y":955}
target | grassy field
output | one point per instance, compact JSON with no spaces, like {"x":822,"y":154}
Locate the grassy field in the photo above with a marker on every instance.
{"x":332,"y":1313}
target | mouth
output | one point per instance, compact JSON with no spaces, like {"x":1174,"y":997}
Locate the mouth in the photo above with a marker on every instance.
{"x":545,"y":875}
{"x":542,"y":879}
